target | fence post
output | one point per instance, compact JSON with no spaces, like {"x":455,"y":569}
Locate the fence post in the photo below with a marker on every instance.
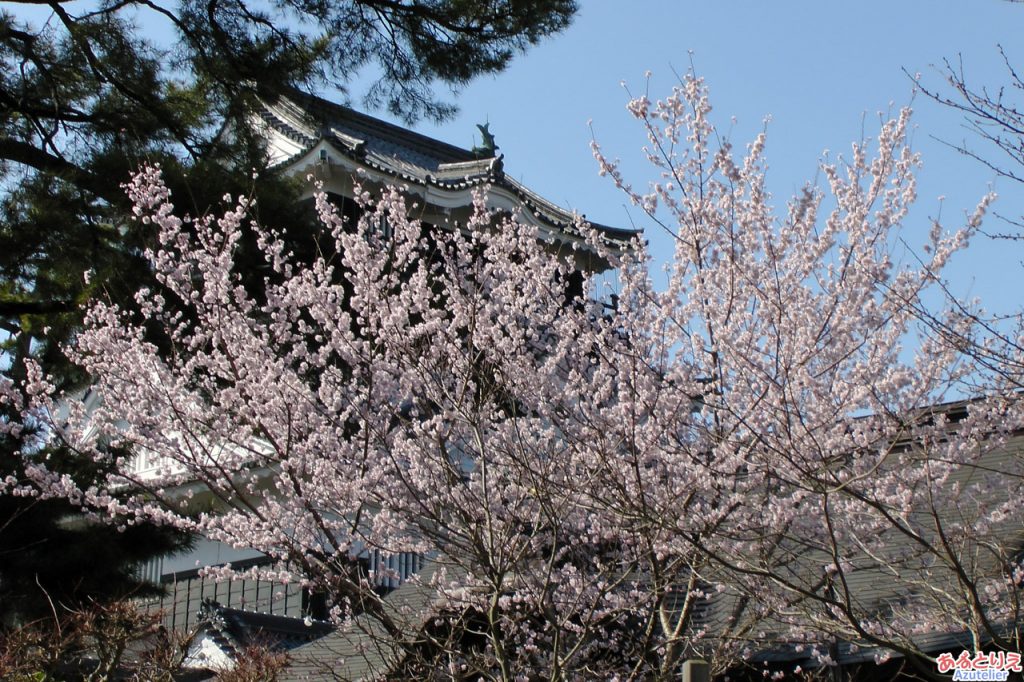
{"x":696,"y":670}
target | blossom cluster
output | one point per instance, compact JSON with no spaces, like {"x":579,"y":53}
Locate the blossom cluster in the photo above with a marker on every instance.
{"x":745,"y":459}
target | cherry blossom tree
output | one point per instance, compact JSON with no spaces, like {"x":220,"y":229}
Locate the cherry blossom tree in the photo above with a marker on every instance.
{"x":751,"y":457}
{"x":861,"y":510}
{"x":994,"y":116}
{"x":417,"y":392}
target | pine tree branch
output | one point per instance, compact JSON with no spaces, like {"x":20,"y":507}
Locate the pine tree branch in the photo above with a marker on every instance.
{"x":17,"y":308}
{"x":34,"y":157}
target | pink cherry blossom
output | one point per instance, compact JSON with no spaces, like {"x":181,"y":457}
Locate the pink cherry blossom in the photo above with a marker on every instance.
{"x":744,"y":459}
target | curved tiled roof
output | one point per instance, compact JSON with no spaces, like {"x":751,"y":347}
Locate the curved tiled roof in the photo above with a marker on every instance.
{"x":407,"y":156}
{"x":233,"y":630}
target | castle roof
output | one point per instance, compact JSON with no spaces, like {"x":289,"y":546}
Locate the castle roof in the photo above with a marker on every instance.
{"x":304,"y":130}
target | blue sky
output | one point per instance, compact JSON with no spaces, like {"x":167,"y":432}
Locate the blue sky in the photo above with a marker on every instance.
{"x":821,"y":70}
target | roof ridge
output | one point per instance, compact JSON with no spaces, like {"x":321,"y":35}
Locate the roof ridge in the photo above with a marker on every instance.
{"x":322,"y":110}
